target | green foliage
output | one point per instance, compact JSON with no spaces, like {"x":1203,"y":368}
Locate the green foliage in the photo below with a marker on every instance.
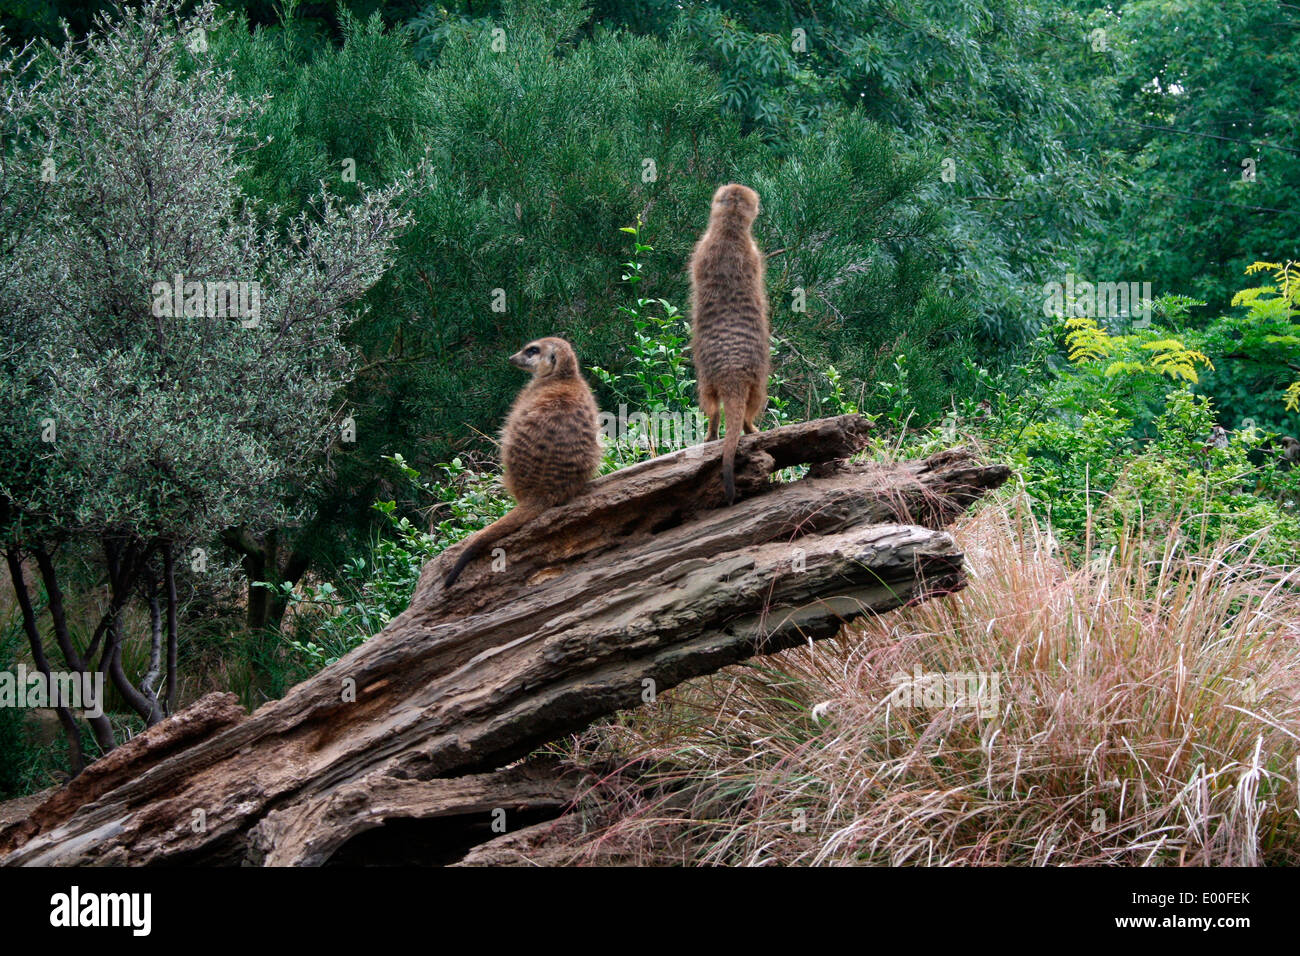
{"x":172,"y":351}
{"x":653,"y":396}
{"x":1091,"y":473}
{"x":1264,"y":346}
{"x":1119,"y":439}
{"x":1136,"y":354}
{"x":27,"y":20}
{"x":20,"y":758}
{"x":868,"y":298}
{"x":330,"y":619}
{"x":1226,"y":495}
{"x":1203,"y":120}
{"x":836,"y":401}
{"x":123,"y":416}
{"x":999,"y":94}
{"x":1207,"y":99}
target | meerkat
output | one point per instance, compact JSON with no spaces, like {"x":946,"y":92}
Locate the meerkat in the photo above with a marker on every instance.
{"x":550,"y":445}
{"x":729,"y":325}
{"x":1290,"y":453}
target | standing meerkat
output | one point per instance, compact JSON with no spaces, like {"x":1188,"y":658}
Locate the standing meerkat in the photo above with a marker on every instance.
{"x":729,"y":327}
{"x":550,"y":446}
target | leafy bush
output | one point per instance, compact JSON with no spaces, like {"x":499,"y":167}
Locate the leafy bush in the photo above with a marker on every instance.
{"x":657,"y":379}
{"x":20,"y":758}
{"x":172,"y":353}
{"x":1262,"y":349}
{"x":1091,"y":474}
{"x":1209,"y":185}
{"x":326,"y":620}
{"x":1114,"y":436}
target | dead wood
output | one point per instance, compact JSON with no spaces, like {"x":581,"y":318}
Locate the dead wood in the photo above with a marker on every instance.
{"x":636,"y":586}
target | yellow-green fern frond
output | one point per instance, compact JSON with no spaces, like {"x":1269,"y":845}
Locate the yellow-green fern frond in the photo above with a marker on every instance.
{"x":1248,"y":296}
{"x":1087,"y":341}
{"x":1258,"y":266}
{"x":1123,"y":368}
{"x":1286,"y":275}
{"x":1174,"y":359}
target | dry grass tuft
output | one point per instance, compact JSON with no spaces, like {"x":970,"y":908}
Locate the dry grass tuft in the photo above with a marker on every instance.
{"x":1142,"y":709}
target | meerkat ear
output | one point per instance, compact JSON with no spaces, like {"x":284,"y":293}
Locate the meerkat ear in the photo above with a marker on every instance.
{"x":552,"y":358}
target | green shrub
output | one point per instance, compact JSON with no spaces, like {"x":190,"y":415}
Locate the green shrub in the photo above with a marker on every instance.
{"x":1117,"y":437}
{"x":326,"y":620}
{"x":20,"y":759}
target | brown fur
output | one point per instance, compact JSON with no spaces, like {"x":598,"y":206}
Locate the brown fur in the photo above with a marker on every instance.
{"x":730,"y":336}
{"x":1290,"y":451}
{"x":550,"y":446}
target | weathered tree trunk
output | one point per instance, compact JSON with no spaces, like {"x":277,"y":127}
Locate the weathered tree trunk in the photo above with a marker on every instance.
{"x":272,"y":560}
{"x":638,"y":585}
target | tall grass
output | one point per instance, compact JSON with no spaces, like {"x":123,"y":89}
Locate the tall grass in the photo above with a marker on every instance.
{"x":1148,"y":712}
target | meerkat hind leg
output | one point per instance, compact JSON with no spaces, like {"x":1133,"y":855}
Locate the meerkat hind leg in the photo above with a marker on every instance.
{"x":711,"y":407}
{"x":753,"y":408}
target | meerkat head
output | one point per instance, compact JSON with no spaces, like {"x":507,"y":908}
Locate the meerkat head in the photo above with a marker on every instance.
{"x":735,"y":201}
{"x":547,"y":358}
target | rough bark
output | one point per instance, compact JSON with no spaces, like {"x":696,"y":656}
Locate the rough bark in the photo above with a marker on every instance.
{"x":638,"y":585}
{"x":310,"y":833}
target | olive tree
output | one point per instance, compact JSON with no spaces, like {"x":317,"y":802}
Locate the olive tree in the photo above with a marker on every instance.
{"x":172,"y":353}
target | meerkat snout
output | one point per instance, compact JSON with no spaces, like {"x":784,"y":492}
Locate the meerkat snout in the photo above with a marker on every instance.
{"x":546,"y":357}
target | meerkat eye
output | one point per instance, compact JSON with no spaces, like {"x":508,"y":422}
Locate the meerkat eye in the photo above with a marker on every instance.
{"x":531,"y":350}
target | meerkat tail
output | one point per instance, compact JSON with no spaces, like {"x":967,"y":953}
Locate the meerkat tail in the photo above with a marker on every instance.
{"x":733,"y":407}
{"x":481,"y":540}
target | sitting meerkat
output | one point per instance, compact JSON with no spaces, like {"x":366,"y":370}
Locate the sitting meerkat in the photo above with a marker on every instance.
{"x":550,"y":446}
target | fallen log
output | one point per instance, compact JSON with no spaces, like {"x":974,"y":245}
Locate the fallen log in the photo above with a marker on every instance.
{"x":639,"y":584}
